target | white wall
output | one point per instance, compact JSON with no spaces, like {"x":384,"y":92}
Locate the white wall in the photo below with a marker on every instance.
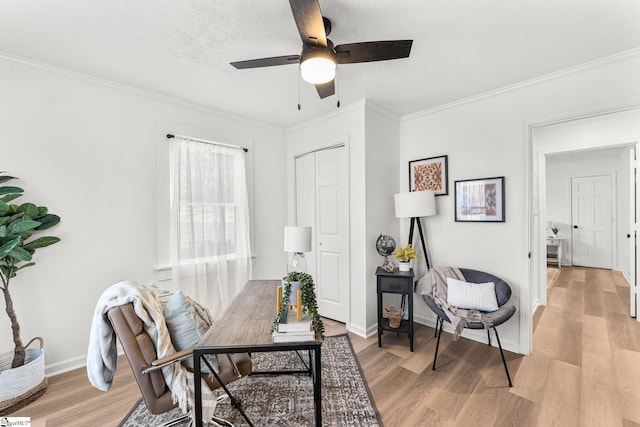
{"x":382,"y":143}
{"x":488,"y":136}
{"x":85,"y":149}
{"x":371,"y":139}
{"x":558,"y":190}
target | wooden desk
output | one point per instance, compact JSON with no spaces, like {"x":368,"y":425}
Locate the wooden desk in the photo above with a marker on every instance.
{"x":245,"y":327}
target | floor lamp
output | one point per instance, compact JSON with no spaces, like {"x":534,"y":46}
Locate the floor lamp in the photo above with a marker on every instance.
{"x":415,"y":205}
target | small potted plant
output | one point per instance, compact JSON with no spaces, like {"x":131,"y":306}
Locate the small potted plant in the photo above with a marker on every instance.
{"x":404,"y":257}
{"x":309,"y":302}
{"x":22,"y":377}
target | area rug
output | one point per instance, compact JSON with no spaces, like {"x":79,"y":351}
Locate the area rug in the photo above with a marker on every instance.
{"x":287,"y":400}
{"x":552,"y":276}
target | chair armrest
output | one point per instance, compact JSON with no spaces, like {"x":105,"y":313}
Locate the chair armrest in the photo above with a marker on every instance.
{"x":168,"y":360}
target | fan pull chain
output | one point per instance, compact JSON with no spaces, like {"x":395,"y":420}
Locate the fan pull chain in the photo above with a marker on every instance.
{"x":299,"y":106}
{"x":338,"y":85}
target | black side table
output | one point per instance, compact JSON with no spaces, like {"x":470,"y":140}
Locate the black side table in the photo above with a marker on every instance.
{"x":396,"y":282}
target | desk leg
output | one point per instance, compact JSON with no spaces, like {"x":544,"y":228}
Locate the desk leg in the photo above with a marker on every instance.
{"x":317,"y":387}
{"x":197,"y":389}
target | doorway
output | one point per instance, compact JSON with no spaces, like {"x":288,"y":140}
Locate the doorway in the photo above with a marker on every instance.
{"x":322,"y":203}
{"x":576,"y":138}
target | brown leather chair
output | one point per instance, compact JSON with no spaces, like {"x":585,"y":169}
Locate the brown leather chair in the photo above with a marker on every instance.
{"x":141,"y":353}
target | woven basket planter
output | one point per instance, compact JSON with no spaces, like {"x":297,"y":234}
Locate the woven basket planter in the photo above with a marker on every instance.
{"x":21,"y":386}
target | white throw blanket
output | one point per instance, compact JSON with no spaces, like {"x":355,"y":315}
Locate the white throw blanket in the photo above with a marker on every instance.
{"x":434,"y":285}
{"x":102,"y":353}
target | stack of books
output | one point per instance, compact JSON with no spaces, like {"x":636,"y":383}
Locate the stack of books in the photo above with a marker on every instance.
{"x":290,"y":330}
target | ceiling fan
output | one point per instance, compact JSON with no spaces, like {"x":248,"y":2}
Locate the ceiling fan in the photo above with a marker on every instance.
{"x":319,"y":56}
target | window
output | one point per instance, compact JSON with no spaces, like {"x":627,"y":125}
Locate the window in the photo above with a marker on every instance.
{"x":209,"y":200}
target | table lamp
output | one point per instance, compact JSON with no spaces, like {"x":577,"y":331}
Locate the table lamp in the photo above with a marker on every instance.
{"x":415,"y":205}
{"x":297,"y":241}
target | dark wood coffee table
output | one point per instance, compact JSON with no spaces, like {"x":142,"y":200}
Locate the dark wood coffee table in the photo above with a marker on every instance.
{"x":245,"y":327}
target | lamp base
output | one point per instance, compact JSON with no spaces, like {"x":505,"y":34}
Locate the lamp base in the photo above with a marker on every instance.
{"x":297,"y":263}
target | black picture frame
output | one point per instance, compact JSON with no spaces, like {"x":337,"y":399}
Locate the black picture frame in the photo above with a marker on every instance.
{"x":479,"y":200}
{"x":430,"y":173}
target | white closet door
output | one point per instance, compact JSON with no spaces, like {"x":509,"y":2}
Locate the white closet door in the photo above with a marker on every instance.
{"x":328,"y":214}
{"x":306,"y":203}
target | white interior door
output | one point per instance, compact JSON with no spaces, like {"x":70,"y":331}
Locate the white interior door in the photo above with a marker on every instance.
{"x":328,"y":214}
{"x":306,"y":203}
{"x":591,"y":218}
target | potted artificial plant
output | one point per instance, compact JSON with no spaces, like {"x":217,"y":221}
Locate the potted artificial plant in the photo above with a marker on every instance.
{"x":404,"y":257}
{"x":304,"y":282}
{"x":21,"y":371}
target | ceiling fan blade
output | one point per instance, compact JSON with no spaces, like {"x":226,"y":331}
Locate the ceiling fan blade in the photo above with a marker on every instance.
{"x":373,"y":51}
{"x":308,"y":19}
{"x":267,"y":62}
{"x":326,"y":89}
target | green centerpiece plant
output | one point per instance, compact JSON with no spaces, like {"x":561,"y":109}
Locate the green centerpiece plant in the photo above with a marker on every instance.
{"x":309,"y":301}
{"x":19,"y":225}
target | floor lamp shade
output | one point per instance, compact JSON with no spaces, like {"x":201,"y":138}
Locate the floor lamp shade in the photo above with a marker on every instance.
{"x":415,"y":204}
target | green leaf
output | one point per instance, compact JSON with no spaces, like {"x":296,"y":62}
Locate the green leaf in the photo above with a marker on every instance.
{"x":20,"y":267}
{"x":42,"y":211}
{"x":22,"y":226}
{"x":48,"y":221}
{"x":41,"y":242}
{"x":20,"y":254}
{"x":4,"y":207}
{"x":9,"y":219}
{"x":3,"y":230}
{"x":9,"y":197}
{"x":29,"y":210}
{"x":6,"y":178}
{"x":9,"y":246}
{"x":11,"y":190}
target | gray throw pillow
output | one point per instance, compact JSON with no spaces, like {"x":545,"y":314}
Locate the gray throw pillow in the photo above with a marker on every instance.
{"x":187,"y":322}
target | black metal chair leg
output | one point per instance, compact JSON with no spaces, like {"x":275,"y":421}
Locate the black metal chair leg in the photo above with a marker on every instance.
{"x":504,"y":362}
{"x":489,"y":336}
{"x":439,"y":332}
{"x":435,"y":333}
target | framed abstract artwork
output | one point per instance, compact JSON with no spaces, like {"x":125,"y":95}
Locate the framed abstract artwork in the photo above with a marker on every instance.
{"x":429,"y":174}
{"x":479,"y":200}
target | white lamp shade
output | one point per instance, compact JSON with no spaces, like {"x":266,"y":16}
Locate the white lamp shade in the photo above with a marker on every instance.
{"x":297,"y":239}
{"x":415,"y":204}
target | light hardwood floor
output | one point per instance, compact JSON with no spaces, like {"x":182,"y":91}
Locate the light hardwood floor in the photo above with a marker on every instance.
{"x":585,"y":371}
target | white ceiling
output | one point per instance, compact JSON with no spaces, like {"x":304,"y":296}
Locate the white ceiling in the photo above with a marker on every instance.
{"x":182,"y":48}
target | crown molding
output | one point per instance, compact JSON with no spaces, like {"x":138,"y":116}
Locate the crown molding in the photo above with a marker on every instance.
{"x":132,"y":90}
{"x":526,"y":83}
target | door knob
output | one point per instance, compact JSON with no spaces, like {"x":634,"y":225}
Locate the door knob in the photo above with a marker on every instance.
{"x":628,"y":236}
{"x":575,"y":226}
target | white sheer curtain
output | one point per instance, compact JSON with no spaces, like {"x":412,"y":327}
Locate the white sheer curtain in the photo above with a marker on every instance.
{"x":210,"y":251}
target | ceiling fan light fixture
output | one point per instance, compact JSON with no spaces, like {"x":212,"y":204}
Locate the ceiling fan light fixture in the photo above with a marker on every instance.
{"x":318,"y":65}
{"x":318,"y":70}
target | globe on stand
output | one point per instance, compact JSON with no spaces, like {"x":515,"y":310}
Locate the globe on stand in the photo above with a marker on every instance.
{"x":385,"y":246}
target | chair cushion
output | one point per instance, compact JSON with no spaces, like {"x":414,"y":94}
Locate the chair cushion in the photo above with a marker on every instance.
{"x":187,"y":322}
{"x":478,"y":296}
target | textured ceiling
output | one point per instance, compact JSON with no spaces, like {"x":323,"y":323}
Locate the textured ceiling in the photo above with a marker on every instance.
{"x":182,"y":48}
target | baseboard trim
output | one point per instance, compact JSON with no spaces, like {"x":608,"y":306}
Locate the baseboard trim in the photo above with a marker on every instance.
{"x":65,"y":366}
{"x":71,"y":364}
{"x":475,"y":335}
